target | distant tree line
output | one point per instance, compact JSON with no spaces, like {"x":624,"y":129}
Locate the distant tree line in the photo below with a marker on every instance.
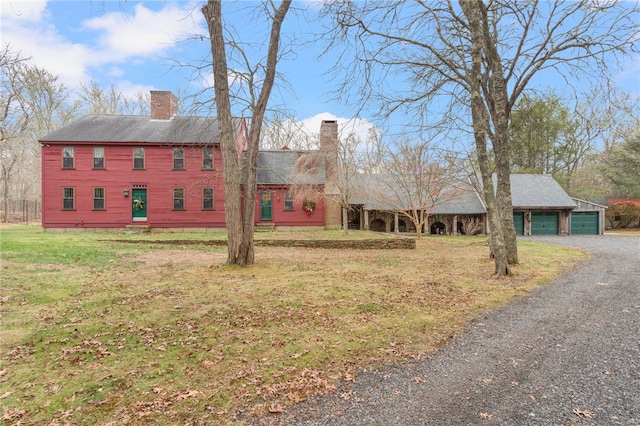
{"x":34,"y":103}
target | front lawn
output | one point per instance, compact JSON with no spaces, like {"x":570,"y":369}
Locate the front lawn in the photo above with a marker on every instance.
{"x":98,"y":332}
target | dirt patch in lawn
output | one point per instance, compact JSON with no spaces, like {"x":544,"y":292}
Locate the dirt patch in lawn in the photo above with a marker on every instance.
{"x":179,"y":258}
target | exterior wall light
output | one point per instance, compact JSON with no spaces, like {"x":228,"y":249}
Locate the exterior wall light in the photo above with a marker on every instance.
{"x":125,"y":192}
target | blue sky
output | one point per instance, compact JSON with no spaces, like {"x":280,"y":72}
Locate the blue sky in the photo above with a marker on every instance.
{"x":138,"y":45}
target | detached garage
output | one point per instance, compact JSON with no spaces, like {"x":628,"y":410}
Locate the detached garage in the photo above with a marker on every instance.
{"x":544,"y":223}
{"x":518,"y":222}
{"x":540,"y":205}
{"x":588,"y":218}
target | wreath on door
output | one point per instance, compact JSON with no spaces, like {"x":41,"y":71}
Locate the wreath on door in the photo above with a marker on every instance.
{"x":138,"y":204}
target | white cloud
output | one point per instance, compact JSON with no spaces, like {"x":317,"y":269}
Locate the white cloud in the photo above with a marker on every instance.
{"x":26,"y":29}
{"x":304,"y":134}
{"x":123,"y":38}
{"x":346,"y":126}
{"x":132,"y":90}
{"x":26,"y":11}
{"x":145,"y":33}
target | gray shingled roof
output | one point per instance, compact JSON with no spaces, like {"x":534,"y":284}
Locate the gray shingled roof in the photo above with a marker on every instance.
{"x":139,"y":129}
{"x":363,"y":186}
{"x":280,"y":168}
{"x":539,"y":192}
{"x":464,"y":200}
{"x":529,"y":191}
{"x":458,"y":199}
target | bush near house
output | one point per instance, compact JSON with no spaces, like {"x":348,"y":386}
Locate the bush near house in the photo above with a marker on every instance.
{"x":623,"y":213}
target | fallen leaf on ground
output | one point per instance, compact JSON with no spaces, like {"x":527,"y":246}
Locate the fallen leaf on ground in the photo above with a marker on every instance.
{"x":485,"y":415}
{"x":12,"y":414}
{"x":187,"y":394}
{"x":584,"y":414}
{"x":276,"y":408}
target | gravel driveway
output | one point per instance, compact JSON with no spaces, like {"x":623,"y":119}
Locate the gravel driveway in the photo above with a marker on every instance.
{"x":569,"y":354}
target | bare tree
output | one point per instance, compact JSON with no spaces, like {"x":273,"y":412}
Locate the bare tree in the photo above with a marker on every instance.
{"x":260,"y":80}
{"x":32,"y":104}
{"x":96,"y":100}
{"x":348,"y":168}
{"x":284,"y":132}
{"x":621,"y":166}
{"x":477,"y":62}
{"x":605,"y":119}
{"x":416,"y":178}
{"x":305,"y":186}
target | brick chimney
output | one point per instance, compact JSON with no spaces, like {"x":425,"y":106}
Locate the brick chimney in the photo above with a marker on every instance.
{"x":164,"y":105}
{"x":329,"y":150}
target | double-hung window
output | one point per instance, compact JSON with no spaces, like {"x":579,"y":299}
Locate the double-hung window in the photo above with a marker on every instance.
{"x":207,"y":158}
{"x":67,"y":157}
{"x":207,"y":198}
{"x":178,"y":198}
{"x":288,"y":200}
{"x":98,"y":157}
{"x":98,"y":199}
{"x":178,"y":158}
{"x":138,"y":158}
{"x":68,"y":198}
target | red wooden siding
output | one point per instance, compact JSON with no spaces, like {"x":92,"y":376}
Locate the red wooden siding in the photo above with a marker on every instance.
{"x":158,"y":177}
{"x":296,"y":217}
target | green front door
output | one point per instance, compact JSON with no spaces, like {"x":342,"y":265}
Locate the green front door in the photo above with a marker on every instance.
{"x":584,"y":223}
{"x":139,"y":205}
{"x":265,"y":206}
{"x":544,"y":223}
{"x":518,"y":222}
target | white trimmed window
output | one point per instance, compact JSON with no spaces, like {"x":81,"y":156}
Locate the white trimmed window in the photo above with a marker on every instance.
{"x":68,"y":198}
{"x":98,"y":157}
{"x":67,"y":157}
{"x":207,"y":158}
{"x":98,"y":199}
{"x":178,"y":198}
{"x":178,"y":158}
{"x":138,"y":158}
{"x":207,"y":198}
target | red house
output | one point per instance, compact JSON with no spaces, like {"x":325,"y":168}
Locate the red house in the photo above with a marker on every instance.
{"x":164,"y":172}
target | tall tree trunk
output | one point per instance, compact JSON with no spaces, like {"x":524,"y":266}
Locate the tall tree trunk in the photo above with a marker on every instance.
{"x":480,"y":119}
{"x":232,"y":169}
{"x":5,"y":195}
{"x":345,"y":220}
{"x":500,"y":112}
{"x":257,"y":116}
{"x":240,"y":188}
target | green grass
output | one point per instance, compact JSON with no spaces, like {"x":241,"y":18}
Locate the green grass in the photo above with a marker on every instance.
{"x":95,"y":331}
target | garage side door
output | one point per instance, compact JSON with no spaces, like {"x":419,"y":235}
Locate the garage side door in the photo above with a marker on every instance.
{"x":544,"y":223}
{"x":518,"y":222}
{"x":584,"y":223}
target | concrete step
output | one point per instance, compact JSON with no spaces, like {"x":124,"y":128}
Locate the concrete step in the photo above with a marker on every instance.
{"x":265,"y":227}
{"x":137,"y":229}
